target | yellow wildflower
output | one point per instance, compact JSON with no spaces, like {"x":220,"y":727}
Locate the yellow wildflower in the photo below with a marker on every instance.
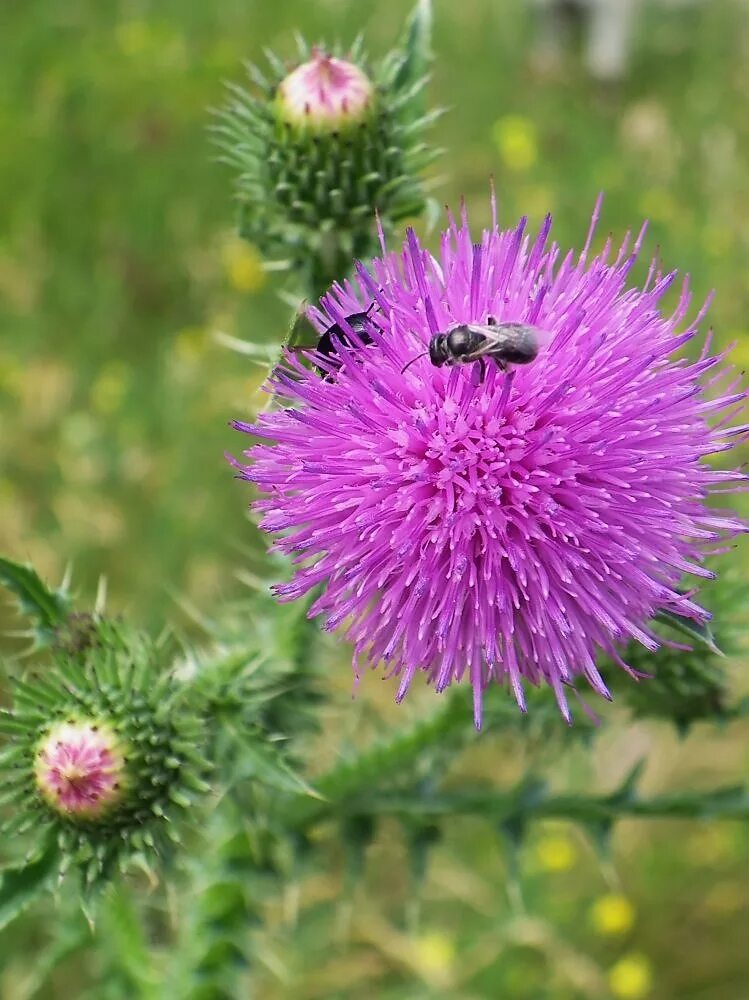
{"x":632,"y":977}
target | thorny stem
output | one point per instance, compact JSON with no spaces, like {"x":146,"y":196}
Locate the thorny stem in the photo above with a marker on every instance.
{"x":729,"y":802}
{"x":525,"y":802}
{"x":353,"y":788}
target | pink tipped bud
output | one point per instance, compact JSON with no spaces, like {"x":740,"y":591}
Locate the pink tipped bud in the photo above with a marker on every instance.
{"x":79,"y":769}
{"x":325,"y":94}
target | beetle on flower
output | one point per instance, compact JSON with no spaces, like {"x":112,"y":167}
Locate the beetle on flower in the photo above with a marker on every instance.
{"x":513,"y":528}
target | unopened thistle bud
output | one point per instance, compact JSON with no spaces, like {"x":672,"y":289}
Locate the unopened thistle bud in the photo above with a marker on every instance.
{"x":322,"y":147}
{"x":325,"y":95}
{"x":80,"y":769}
{"x":103,"y":748}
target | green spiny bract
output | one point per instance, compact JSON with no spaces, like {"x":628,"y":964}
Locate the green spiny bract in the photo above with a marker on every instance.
{"x":313,"y":173}
{"x":685,"y":686}
{"x":688,"y":685}
{"x":102,"y":749}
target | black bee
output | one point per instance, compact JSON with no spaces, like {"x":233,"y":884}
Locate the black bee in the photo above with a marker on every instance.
{"x":326,"y":345}
{"x":505,"y":343}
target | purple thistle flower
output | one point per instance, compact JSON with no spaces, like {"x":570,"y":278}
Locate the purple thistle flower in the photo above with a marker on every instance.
{"x":511,"y":528}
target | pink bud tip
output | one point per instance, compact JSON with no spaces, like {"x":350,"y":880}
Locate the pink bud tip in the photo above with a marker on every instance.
{"x":325,"y":93}
{"x":79,"y":769}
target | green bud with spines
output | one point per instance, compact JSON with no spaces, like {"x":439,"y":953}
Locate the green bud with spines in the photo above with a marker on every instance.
{"x":323,"y":147}
{"x":103,"y":749}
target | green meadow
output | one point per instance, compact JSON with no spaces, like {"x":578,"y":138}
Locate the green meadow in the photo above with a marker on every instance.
{"x":119,"y":264}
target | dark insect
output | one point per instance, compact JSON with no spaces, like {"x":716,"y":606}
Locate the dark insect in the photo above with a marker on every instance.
{"x":335,"y":334}
{"x":505,"y":343}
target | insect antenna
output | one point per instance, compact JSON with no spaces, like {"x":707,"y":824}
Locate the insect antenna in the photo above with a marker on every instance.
{"x":414,"y":360}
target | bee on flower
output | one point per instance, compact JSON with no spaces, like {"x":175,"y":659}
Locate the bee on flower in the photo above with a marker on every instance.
{"x":505,"y":527}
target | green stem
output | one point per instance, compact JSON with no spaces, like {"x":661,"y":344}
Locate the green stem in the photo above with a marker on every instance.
{"x":389,"y":759}
{"x":728,"y":802}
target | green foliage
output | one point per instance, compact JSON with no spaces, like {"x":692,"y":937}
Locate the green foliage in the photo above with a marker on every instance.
{"x":126,"y":249}
{"x":689,"y":685}
{"x":410,"y":63}
{"x":46,"y":608}
{"x":23,"y":884}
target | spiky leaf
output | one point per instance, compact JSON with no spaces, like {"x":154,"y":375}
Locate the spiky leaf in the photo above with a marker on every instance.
{"x":46,"y":608}
{"x":22,"y":885}
{"x":698,"y":633}
{"x":417,"y":50}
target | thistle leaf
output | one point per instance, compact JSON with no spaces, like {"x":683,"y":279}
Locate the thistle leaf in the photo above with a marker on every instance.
{"x":700,"y":634}
{"x":417,"y":49}
{"x":47,"y":608}
{"x":263,"y":763}
{"x":127,"y":946}
{"x":626,"y":793}
{"x":301,"y":333}
{"x":20,"y":886}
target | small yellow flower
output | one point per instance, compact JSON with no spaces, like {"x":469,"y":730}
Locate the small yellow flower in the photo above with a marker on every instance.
{"x":632,"y":977}
{"x":612,"y":914}
{"x":190,"y":343}
{"x":434,"y":954}
{"x":516,"y":140}
{"x":556,"y":853}
{"x":110,"y":387}
{"x":243,"y":266}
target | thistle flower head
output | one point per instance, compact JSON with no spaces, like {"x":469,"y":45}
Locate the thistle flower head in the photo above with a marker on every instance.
{"x":102,"y":749}
{"x":510,"y":529}
{"x":325,"y":94}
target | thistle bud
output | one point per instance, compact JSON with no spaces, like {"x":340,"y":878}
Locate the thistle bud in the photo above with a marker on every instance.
{"x":80,"y":769}
{"x":323,"y":147}
{"x":103,"y":748}
{"x":325,"y":95}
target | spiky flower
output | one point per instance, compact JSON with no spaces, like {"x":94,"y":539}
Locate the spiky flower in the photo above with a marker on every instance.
{"x":510,"y":529}
{"x":102,"y":748}
{"x":320,"y":146}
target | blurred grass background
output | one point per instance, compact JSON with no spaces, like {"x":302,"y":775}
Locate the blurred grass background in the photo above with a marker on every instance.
{"x":118,"y":262}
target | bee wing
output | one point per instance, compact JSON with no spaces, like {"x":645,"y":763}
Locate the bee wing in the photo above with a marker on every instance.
{"x":520,"y":342}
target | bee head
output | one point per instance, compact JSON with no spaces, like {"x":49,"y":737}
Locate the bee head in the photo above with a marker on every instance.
{"x":438,"y":350}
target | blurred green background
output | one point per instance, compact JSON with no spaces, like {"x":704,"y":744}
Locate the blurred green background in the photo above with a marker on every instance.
{"x":118,"y":263}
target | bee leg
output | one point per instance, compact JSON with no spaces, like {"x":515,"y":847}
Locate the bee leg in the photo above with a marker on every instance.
{"x":478,"y":378}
